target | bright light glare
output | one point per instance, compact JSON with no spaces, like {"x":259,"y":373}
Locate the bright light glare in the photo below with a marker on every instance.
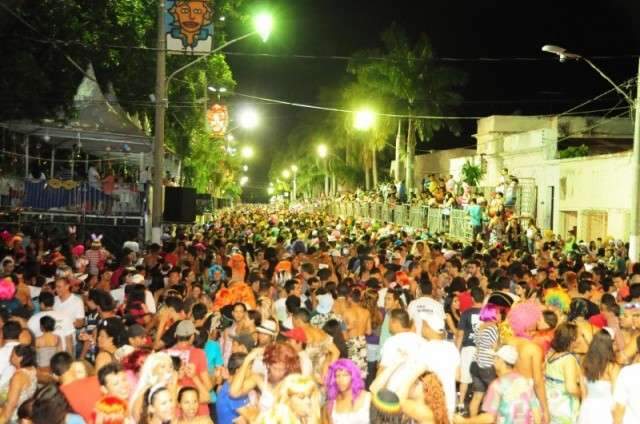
{"x":294,"y":168}
{"x":286,"y":173}
{"x":244,"y":180}
{"x":263,"y":24}
{"x":230,"y":137}
{"x":245,"y":168}
{"x":247,"y":152}
{"x":364,"y":119}
{"x":248,"y":119}
{"x":270,"y":190}
{"x":323,"y":151}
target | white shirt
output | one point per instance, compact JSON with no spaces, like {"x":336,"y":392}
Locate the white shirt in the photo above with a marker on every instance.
{"x":280,"y":309}
{"x":399,"y":348}
{"x":64,"y":325}
{"x":443,"y":359}
{"x":627,"y":393}
{"x":424,"y":306}
{"x":6,"y":369}
{"x":73,"y":307}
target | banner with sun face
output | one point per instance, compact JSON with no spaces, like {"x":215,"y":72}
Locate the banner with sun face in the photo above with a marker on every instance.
{"x":188,"y":26}
{"x":218,"y":119}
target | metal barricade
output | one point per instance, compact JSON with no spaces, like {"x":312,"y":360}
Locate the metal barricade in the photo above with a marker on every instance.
{"x":417,"y":216}
{"x":400,"y":215}
{"x":376,"y":211}
{"x":348,"y":210}
{"x":435,"y":223}
{"x":459,"y":225}
{"x":386,"y":214}
{"x":365,"y":210}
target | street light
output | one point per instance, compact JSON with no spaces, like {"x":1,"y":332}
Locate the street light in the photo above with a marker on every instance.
{"x":286,"y":174}
{"x":634,"y":232}
{"x":248,"y":118}
{"x":247,"y":152}
{"x":245,"y":168}
{"x":244,"y":180}
{"x":363,"y":119}
{"x":217,"y":89}
{"x":323,"y":151}
{"x":263,"y":26}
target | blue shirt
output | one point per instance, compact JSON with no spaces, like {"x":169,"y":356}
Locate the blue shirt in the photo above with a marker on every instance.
{"x":214,"y":360}
{"x":227,"y":406}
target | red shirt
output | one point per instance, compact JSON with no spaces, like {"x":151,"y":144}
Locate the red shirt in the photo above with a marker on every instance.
{"x":82,"y":396}
{"x":465,"y":300}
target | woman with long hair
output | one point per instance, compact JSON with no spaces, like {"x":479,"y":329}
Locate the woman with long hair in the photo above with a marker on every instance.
{"x":188,"y":401}
{"x":157,"y":369}
{"x":347,"y":400}
{"x":562,"y":376}
{"x":297,"y":400}
{"x":23,"y":383}
{"x":158,"y":406}
{"x":427,"y":404}
{"x":600,"y":373}
{"x":111,"y":336}
{"x":334,"y":329}
{"x":370,"y":303}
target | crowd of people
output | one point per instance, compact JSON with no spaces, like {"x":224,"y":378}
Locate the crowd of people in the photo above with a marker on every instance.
{"x":267,"y":315}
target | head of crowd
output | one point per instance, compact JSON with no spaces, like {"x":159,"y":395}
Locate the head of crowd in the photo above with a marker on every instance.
{"x":279,"y":315}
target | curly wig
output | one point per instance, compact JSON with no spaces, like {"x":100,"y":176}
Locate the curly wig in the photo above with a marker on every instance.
{"x":357,"y":383}
{"x":434,"y":397}
{"x":523,"y":318}
{"x":282,"y":353}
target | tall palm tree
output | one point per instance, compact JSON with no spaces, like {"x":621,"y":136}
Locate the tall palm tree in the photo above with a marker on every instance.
{"x":409,"y":74}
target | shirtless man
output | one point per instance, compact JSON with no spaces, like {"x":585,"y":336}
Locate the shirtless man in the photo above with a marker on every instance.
{"x":341,"y":303}
{"x":319,"y":345}
{"x":358,"y":322}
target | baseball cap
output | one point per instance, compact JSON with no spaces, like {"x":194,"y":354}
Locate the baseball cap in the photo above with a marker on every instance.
{"x":325,"y":303}
{"x":268,"y":327}
{"x":185,"y":328}
{"x":245,"y":340}
{"x":508,"y":353}
{"x":296,"y":334}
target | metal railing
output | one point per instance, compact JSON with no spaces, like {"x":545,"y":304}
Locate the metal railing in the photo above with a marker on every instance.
{"x":454,"y":222}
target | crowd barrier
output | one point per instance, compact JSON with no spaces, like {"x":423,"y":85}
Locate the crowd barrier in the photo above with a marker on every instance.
{"x":453,"y":222}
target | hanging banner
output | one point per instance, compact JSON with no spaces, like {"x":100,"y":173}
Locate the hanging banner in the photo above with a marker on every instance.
{"x":188,"y":26}
{"x":218,"y":119}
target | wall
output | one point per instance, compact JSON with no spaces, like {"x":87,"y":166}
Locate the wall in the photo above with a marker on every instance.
{"x":437,"y":162}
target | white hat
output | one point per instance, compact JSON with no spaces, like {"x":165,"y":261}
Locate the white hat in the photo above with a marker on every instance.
{"x":268,"y":327}
{"x":508,"y":354}
{"x":137,"y":279}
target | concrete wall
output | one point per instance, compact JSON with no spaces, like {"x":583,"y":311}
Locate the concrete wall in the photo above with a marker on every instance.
{"x":437,"y":162}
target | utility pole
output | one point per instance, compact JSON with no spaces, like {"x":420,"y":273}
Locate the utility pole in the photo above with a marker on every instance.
{"x":634,"y":230}
{"x":158,"y":148}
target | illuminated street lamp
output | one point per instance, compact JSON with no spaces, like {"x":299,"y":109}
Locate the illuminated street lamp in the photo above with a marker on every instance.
{"x":323,"y":151}
{"x":247,"y":152}
{"x":263,"y":24}
{"x":270,"y":190}
{"x":248,"y":119}
{"x":363,"y":120}
{"x":286,"y":174}
{"x":244,"y":180}
{"x":245,"y":168}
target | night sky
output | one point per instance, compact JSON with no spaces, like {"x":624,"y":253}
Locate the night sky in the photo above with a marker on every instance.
{"x":457,"y":29}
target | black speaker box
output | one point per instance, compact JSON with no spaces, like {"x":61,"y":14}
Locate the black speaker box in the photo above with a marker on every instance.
{"x":179,"y":204}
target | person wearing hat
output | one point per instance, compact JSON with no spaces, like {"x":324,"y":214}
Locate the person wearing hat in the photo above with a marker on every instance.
{"x":323,"y":311}
{"x":194,"y":369}
{"x":242,"y":343}
{"x":297,"y":339}
{"x":267,"y":332}
{"x":510,"y":398}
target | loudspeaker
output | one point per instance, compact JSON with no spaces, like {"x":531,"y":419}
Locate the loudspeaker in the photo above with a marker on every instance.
{"x":179,"y":204}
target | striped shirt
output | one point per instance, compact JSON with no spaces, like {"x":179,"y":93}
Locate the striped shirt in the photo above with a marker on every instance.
{"x":486,"y":341}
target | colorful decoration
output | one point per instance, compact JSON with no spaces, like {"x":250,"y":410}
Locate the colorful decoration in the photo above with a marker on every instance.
{"x":557,"y":298}
{"x":189,"y":26}
{"x":218,"y":119}
{"x":7,"y":289}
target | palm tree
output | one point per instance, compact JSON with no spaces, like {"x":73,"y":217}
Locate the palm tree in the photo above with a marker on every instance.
{"x":408,"y":73}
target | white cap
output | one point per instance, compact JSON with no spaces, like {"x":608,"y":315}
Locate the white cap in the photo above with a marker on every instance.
{"x":434,"y":321}
{"x":137,"y":279}
{"x":508,"y":354}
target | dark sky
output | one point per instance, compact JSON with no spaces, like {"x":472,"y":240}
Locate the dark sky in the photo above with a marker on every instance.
{"x":458,"y":29}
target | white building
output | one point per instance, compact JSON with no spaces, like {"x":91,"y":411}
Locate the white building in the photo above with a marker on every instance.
{"x":590,"y":192}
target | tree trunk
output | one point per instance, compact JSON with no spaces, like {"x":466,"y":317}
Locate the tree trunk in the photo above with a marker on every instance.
{"x":333,"y":184}
{"x":399,"y":148}
{"x":411,"y":153}
{"x":374,"y":168}
{"x":367,"y":180}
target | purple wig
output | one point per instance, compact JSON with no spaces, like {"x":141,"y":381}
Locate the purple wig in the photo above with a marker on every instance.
{"x":357,"y":383}
{"x":490,"y":312}
{"x":523,"y":317}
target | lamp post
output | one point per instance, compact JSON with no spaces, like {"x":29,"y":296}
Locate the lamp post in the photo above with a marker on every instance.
{"x":263,"y":24}
{"x":323,"y":152}
{"x":294,"y":191}
{"x":634,"y":231}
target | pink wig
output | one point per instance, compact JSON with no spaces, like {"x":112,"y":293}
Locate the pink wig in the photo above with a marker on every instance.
{"x":490,"y":313}
{"x":7,"y":289}
{"x":357,"y":383}
{"x":523,"y":317}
